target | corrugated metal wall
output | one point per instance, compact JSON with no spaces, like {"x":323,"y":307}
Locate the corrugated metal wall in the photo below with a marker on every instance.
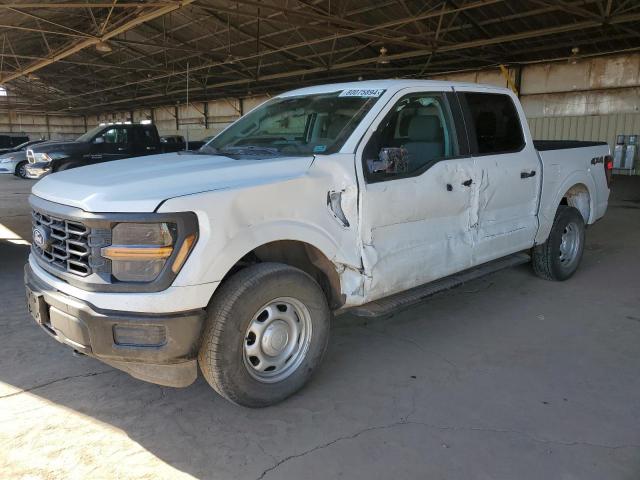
{"x":52,"y":126}
{"x":585,"y":127}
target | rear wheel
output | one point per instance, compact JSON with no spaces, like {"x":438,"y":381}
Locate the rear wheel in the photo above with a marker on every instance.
{"x":559,"y":257}
{"x":21,"y":170}
{"x":267,"y":331}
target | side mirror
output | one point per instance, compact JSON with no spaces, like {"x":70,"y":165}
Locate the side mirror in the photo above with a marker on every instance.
{"x":390,"y":160}
{"x":98,"y":140}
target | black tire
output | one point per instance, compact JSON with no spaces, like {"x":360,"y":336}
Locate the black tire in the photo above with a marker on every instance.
{"x":20,"y":170}
{"x":238,"y":303}
{"x":549,"y":260}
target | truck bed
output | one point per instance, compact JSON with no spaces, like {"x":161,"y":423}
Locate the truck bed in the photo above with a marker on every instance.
{"x":546,"y":145}
{"x":564,"y":165}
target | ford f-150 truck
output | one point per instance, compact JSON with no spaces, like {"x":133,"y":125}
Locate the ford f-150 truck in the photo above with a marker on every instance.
{"x":363,"y":196}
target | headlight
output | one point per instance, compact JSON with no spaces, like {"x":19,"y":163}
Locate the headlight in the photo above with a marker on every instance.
{"x":6,"y":160}
{"x":139,"y":251}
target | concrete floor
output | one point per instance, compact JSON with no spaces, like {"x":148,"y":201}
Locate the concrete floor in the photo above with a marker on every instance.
{"x":507,"y":377}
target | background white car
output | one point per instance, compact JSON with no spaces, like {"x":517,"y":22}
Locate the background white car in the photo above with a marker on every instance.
{"x":15,"y":161}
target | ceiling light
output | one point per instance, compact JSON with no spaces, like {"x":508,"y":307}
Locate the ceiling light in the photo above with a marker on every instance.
{"x":573,"y":59}
{"x":103,"y":47}
{"x":382,"y":58}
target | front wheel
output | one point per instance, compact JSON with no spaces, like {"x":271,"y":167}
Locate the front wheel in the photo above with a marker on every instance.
{"x":21,"y":170}
{"x":559,"y":257}
{"x":267,"y":331}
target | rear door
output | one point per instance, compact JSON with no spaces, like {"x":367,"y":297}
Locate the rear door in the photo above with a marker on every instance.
{"x":146,"y":140}
{"x":415,"y":192}
{"x":507,"y":187}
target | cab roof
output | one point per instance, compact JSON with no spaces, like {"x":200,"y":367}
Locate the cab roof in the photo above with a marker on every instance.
{"x":388,"y":84}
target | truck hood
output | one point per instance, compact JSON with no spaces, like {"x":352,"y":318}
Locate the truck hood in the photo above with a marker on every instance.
{"x":141,"y":184}
{"x":66,"y":147}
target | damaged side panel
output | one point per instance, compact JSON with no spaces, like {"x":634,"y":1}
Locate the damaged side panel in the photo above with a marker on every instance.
{"x":508,"y":194}
{"x":418,"y":229}
{"x":236,"y":221}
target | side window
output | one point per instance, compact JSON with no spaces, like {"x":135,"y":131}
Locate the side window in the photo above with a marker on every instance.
{"x":496,"y":123}
{"x":417,"y":133}
{"x":145,"y":136}
{"x":116,"y":136}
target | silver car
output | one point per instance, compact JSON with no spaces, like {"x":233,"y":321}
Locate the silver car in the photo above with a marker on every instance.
{"x":15,"y":161}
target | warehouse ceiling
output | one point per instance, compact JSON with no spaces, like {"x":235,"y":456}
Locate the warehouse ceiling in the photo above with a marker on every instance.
{"x":103,"y":55}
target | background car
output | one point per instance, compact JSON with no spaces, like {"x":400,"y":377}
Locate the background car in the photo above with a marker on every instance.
{"x":15,"y":160}
{"x":197,"y":144}
{"x":172,"y":143}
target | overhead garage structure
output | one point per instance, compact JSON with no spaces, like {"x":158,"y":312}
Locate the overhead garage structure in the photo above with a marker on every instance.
{"x":139,"y":264}
{"x":119,"y":59}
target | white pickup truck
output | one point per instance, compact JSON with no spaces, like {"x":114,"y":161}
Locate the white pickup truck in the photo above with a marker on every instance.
{"x":364,"y":196}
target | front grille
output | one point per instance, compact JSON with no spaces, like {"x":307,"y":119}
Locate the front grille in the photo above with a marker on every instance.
{"x":66,"y":243}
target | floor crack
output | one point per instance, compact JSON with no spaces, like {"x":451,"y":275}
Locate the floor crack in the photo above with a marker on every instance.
{"x":405,"y":422}
{"x":36,"y":387}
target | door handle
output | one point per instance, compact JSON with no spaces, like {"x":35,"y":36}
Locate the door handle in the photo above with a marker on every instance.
{"x":530,"y":174}
{"x":467,"y":183}
{"x":121,"y":149}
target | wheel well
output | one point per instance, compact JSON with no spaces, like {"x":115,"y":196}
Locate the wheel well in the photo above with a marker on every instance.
{"x":300,"y":255}
{"x":578,"y":197}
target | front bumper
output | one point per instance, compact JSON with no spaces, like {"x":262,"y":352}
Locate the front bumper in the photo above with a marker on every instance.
{"x":158,"y":348}
{"x":8,"y":167}
{"x":38,"y":170}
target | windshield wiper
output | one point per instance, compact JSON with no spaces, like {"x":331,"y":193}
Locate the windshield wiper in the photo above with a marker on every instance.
{"x":250,"y":150}
{"x":208,"y":150}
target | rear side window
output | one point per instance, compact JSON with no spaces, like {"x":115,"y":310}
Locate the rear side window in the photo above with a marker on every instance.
{"x":494,"y":123}
{"x":146,"y":136}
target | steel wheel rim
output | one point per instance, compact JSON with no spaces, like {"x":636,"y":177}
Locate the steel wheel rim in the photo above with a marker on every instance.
{"x":569,"y":244}
{"x":22,"y":171}
{"x":277,"y":340}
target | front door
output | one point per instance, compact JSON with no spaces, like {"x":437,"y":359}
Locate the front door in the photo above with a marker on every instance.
{"x":415,"y":195}
{"x":117,"y":144}
{"x":509,"y":174}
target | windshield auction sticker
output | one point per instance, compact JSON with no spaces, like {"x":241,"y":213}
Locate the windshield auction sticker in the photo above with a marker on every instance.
{"x":362,"y":92}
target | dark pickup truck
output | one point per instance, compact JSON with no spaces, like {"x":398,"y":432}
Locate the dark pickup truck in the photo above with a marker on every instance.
{"x":101,"y":144}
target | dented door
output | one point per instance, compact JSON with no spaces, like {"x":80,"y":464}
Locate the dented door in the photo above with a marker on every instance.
{"x":416,"y":225}
{"x":509,"y":174}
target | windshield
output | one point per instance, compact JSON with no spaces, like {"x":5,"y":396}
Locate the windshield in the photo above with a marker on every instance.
{"x":85,"y":137}
{"x":301,"y":125}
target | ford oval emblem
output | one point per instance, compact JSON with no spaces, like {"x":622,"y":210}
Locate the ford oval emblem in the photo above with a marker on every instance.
{"x":40,"y":237}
